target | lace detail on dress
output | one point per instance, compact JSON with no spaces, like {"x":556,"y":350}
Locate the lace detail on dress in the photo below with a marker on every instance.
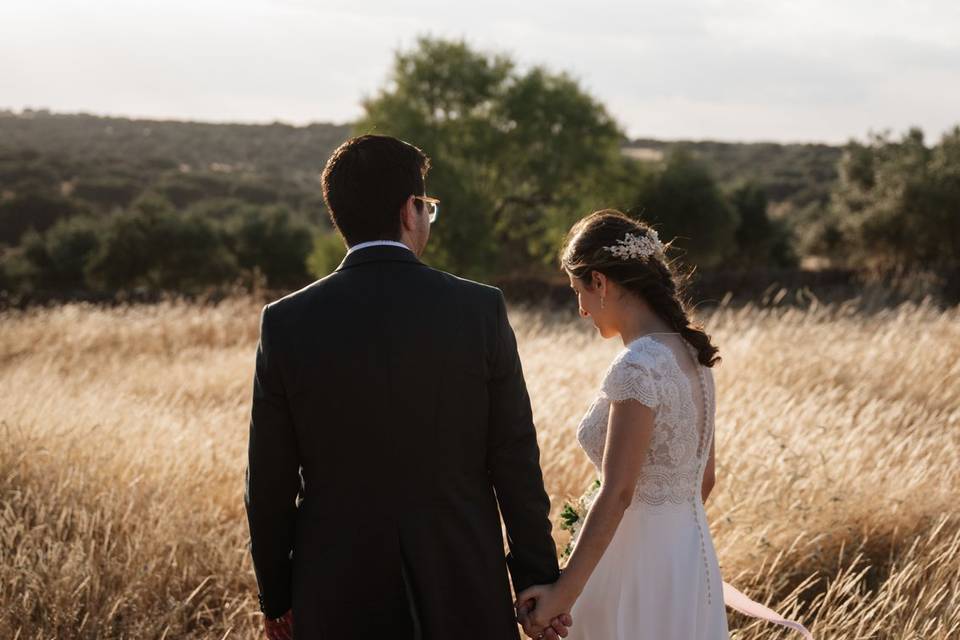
{"x":647,"y":371}
{"x":630,"y":377}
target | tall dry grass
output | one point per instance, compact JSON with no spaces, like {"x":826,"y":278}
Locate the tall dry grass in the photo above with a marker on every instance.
{"x":124,"y":433}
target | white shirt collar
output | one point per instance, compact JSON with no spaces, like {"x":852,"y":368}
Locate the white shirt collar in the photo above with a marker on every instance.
{"x":375,"y":243}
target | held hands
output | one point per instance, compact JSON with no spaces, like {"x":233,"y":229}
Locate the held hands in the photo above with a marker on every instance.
{"x":542,"y":612}
{"x":533,"y":605}
{"x":281,"y":628}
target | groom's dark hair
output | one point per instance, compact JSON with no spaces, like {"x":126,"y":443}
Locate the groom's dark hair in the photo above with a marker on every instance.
{"x":367,"y":180}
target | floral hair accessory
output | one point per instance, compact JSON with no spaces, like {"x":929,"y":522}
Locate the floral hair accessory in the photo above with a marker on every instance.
{"x":637,"y":246}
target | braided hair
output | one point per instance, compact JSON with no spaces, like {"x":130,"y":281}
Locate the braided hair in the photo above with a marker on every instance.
{"x":652,"y":278}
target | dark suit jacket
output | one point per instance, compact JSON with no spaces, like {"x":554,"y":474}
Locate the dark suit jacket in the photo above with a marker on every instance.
{"x":390,"y":397}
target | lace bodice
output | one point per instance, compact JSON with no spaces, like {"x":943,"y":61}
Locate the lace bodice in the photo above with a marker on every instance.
{"x":647,"y":370}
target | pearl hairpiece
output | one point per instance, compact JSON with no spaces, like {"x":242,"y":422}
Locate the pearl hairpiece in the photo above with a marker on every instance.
{"x":637,"y":246}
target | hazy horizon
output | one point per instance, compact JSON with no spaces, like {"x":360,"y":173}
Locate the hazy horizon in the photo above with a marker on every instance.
{"x":734,"y":71}
{"x":149,"y":118}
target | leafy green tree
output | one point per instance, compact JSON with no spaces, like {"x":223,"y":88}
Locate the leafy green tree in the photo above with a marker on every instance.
{"x":897,"y":203}
{"x":327,"y":254}
{"x":219,"y":209}
{"x":17,"y":274}
{"x":515,"y":155}
{"x":107,"y":192}
{"x":255,"y":192}
{"x":685,"y":205}
{"x":269,"y":240}
{"x":760,"y":240}
{"x":32,"y":210}
{"x":160,"y":249}
{"x":936,"y":201}
{"x":817,"y":232}
{"x":59,"y":256}
{"x":28,"y":171}
{"x":184,"y":189}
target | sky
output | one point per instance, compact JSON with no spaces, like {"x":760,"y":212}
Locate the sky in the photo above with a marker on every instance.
{"x":733,"y":70}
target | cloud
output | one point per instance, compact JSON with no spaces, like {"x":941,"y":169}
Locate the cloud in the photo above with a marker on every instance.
{"x":730,"y":69}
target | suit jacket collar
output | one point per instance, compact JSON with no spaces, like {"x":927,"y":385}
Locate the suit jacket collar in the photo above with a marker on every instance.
{"x":379,"y":253}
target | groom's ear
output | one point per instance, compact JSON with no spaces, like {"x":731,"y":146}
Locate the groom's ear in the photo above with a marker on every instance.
{"x":408,"y":214}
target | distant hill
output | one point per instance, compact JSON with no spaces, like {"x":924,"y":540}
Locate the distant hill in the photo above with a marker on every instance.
{"x":798,"y":174}
{"x":296,"y":153}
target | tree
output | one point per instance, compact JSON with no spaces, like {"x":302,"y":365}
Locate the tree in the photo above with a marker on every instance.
{"x":160,"y":249}
{"x":29,"y":171}
{"x":16,"y":272}
{"x":897,"y":203}
{"x":515,"y":155}
{"x":107,"y":192}
{"x":184,"y":189}
{"x":267,"y":239}
{"x":684,"y":204}
{"x":760,"y":240}
{"x":261,"y":192}
{"x":59,"y":256}
{"x":32,"y":210}
{"x":328,"y":252}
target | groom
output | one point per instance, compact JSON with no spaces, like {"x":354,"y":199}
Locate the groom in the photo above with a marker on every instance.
{"x":390,"y":428}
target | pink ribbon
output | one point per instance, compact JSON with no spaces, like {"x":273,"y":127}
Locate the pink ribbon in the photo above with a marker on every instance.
{"x":740,"y":602}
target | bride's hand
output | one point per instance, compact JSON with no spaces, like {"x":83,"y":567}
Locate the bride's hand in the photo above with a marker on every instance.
{"x":558,"y":626}
{"x":545,"y":610}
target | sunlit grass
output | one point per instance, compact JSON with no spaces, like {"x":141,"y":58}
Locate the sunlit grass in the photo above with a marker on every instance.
{"x":124,"y":438}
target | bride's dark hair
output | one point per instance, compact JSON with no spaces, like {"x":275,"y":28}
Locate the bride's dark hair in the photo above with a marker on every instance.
{"x":652,"y":278}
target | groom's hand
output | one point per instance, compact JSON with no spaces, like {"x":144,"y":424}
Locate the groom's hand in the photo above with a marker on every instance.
{"x":281,"y":628}
{"x":558,"y":627}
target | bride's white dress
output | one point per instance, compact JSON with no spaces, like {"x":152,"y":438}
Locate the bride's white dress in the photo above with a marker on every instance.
{"x":659,"y":579}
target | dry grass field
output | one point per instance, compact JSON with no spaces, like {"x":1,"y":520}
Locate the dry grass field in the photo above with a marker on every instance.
{"x":123,"y":436}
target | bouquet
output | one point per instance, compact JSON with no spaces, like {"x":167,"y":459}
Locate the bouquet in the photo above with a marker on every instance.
{"x":573,"y":515}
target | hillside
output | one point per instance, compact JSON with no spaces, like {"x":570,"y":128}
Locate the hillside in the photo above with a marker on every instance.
{"x":797,"y":173}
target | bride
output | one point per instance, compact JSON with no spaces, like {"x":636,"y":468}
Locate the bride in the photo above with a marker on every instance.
{"x":643,"y":565}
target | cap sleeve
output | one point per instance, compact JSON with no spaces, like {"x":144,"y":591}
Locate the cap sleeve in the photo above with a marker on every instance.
{"x":630,"y":377}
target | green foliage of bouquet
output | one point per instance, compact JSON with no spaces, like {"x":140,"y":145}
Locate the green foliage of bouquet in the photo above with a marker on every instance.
{"x":573,"y":515}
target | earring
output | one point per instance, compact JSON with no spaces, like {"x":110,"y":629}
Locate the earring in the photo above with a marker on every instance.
{"x":601,"y":302}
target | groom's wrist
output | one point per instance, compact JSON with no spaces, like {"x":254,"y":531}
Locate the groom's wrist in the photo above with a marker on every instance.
{"x":272,"y":610}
